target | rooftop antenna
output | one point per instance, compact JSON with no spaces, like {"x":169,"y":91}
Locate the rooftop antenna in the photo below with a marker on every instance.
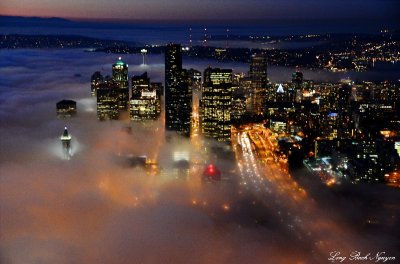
{"x":205,"y":37}
{"x":190,"y":37}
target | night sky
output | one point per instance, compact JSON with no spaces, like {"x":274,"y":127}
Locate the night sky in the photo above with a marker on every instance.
{"x":204,"y":9}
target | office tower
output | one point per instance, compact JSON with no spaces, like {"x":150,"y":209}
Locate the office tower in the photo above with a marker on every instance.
{"x":145,"y":107}
{"x":346,"y":124}
{"x":66,"y":144}
{"x":120,"y":77}
{"x":145,"y":103}
{"x":95,"y":81}
{"x":297,"y":79}
{"x":107,"y":100}
{"x":344,"y":96}
{"x":185,"y":103}
{"x":245,"y":83}
{"x":216,"y":104}
{"x":139,"y":84}
{"x":367,"y":169}
{"x":258,"y":75}
{"x":195,"y":79}
{"x":178,"y":100}
{"x":238,"y":105}
{"x":295,"y":92}
{"x":66,"y":108}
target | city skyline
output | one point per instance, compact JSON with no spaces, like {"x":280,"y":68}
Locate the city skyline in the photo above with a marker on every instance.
{"x":200,"y":143}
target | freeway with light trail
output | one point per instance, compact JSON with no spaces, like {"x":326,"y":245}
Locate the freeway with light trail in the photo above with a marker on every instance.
{"x":265,"y":176}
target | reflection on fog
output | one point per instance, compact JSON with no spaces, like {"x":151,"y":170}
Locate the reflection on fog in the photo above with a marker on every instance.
{"x":107,"y":205}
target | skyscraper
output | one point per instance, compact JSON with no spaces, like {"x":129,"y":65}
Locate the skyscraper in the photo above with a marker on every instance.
{"x":96,"y":79}
{"x":120,"y":77}
{"x":238,"y":105}
{"x":258,"y":76}
{"x":297,"y":79}
{"x":145,"y":107}
{"x":216,"y":104}
{"x":296,"y":91}
{"x":145,"y":103}
{"x":66,"y":144}
{"x":139,"y":84}
{"x":107,"y":100}
{"x":195,"y":79}
{"x":178,"y":98}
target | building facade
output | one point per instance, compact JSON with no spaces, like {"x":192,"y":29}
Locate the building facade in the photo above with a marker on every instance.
{"x":145,"y":107}
{"x":95,"y":81}
{"x":108,"y":101}
{"x":120,"y":77}
{"x":139,"y":84}
{"x":217,"y":104}
{"x":259,"y":82}
{"x":178,"y":96}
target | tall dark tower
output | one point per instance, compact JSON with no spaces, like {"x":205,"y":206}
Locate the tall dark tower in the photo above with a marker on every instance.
{"x":185,"y":103}
{"x":296,"y":91}
{"x":297,"y":79}
{"x":66,"y":144}
{"x":258,"y":76}
{"x":120,"y":76}
{"x":178,"y":101}
{"x":96,"y":80}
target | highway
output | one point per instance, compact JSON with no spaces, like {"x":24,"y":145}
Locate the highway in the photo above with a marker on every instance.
{"x":265,"y":176}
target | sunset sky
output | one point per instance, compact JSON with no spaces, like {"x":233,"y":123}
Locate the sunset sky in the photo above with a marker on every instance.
{"x":205,"y":9}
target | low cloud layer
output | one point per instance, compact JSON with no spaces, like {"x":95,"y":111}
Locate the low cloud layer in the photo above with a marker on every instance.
{"x":92,"y":209}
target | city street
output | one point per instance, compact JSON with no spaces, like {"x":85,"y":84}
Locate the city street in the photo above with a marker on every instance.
{"x":267,"y":179}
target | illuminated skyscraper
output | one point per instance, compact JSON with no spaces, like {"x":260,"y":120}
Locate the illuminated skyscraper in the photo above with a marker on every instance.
{"x":66,"y":144}
{"x":178,"y":97}
{"x":216,"y":104}
{"x":259,"y":81}
{"x":120,"y":77}
{"x":107,"y":100}
{"x":140,"y":83}
{"x":173,"y":69}
{"x":145,"y":107}
{"x":195,"y":79}
{"x":145,"y":103}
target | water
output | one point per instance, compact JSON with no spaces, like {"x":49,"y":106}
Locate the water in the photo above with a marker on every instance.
{"x":164,"y":32}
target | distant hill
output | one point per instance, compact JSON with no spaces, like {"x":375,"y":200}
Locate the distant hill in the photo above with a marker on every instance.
{"x":34,"y":21}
